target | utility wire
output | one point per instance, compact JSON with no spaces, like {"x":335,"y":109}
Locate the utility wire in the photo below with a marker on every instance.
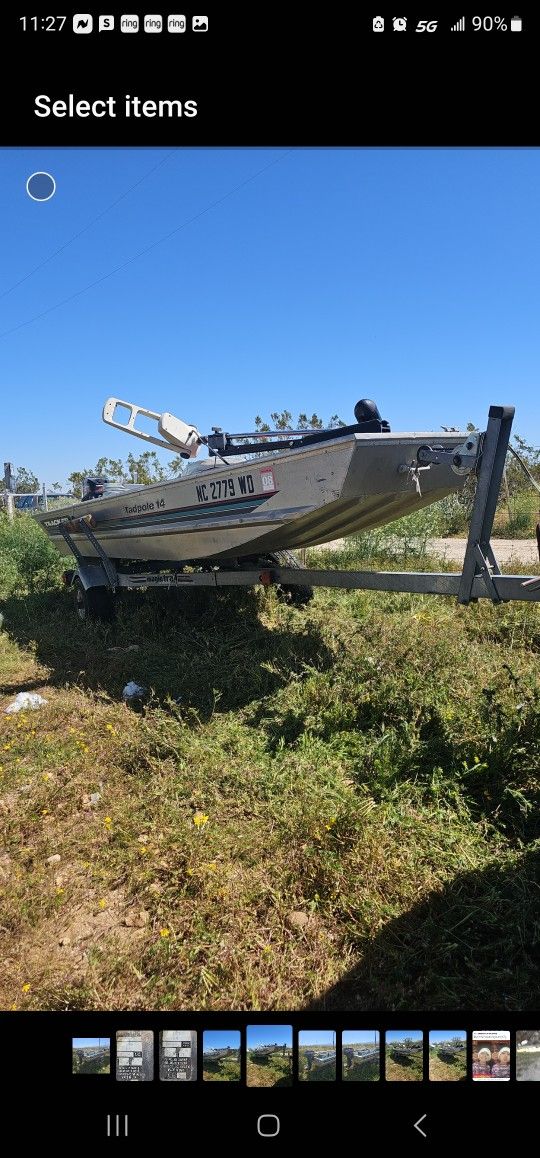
{"x":148,"y":248}
{"x":87,"y":227}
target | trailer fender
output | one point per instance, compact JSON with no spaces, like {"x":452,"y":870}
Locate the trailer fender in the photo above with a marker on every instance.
{"x":90,"y":575}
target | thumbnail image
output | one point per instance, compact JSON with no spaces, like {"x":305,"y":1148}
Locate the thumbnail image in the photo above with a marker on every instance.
{"x":360,"y":1055}
{"x":447,"y":1055}
{"x":178,"y":1055}
{"x":491,"y":1055}
{"x":404,"y":1055}
{"x":528,"y":1055}
{"x":134,"y":1055}
{"x":317,"y":1055}
{"x":91,"y":1055}
{"x":221,"y":1055}
{"x":269,"y":1055}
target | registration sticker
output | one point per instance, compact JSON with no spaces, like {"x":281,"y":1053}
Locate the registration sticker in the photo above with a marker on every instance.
{"x":267,"y":479}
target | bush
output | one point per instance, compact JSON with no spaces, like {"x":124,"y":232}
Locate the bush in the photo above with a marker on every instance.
{"x":523,"y":509}
{"x":403,"y":539}
{"x":28,"y":560}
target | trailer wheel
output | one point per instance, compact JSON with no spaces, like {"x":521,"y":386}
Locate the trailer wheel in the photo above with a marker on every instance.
{"x":297,"y":594}
{"x":95,"y":603}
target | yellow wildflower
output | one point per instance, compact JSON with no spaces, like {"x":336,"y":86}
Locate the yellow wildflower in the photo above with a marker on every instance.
{"x":164,"y":932}
{"x":108,"y":820}
{"x":26,"y":988}
{"x":59,"y":892}
{"x":102,"y":904}
{"x":200,"y":819}
{"x":143,"y":849}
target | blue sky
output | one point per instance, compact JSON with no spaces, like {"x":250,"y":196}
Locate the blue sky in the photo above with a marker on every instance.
{"x":354,"y":1036}
{"x":81,"y":1042}
{"x":319,"y":277}
{"x":436,"y":1035}
{"x":400,"y":1034}
{"x":317,"y":1037}
{"x":221,"y":1039}
{"x":268,"y":1035}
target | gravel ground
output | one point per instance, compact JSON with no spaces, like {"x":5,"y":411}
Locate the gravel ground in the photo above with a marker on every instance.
{"x":524,"y":550}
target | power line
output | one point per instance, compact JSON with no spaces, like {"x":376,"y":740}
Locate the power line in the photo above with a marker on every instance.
{"x":148,"y":249}
{"x":87,"y":227}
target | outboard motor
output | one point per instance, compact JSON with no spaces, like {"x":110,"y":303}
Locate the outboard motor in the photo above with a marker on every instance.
{"x":93,"y":488}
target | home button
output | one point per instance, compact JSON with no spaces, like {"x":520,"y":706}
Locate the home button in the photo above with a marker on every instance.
{"x":268,"y":1125}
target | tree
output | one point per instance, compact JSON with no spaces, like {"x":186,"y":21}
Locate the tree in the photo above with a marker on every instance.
{"x":283,"y":421}
{"x":144,"y":468}
{"x":26,"y":482}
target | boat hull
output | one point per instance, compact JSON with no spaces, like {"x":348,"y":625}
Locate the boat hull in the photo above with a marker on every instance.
{"x":292,"y":499}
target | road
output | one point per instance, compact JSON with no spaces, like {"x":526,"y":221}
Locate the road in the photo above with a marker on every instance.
{"x":522,"y":550}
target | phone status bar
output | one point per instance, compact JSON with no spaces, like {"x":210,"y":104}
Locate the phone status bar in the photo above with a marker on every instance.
{"x":461,"y":24}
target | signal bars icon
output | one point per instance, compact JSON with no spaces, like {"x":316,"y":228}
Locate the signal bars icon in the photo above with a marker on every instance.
{"x":459,"y":26}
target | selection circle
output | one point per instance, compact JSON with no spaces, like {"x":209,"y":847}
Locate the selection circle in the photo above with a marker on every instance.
{"x":41,"y":186}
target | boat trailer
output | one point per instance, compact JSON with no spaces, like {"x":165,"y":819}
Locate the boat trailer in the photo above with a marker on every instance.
{"x":96,"y":581}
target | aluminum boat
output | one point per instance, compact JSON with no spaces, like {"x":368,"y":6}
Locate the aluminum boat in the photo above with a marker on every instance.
{"x":260,"y":493}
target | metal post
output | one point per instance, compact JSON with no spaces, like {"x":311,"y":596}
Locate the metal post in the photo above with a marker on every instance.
{"x":479,"y":558}
{"x":45,"y":505}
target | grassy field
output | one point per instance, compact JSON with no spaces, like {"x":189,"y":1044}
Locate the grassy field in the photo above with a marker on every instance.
{"x":225,"y":1069}
{"x":275,"y":1070}
{"x":327,"y":808}
{"x":408,"y":1069}
{"x":447,"y":1071}
{"x":325,"y":1074}
{"x":92,"y":1065}
{"x":360,"y":1072}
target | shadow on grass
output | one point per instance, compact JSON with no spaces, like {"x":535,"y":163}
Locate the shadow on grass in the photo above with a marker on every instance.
{"x":473,"y":945}
{"x":210,"y":650}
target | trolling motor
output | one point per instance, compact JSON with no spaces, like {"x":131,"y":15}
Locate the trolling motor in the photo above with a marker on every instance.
{"x":179,"y":436}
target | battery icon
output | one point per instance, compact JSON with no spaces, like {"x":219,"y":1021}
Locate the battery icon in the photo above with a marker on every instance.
{"x":516,"y":24}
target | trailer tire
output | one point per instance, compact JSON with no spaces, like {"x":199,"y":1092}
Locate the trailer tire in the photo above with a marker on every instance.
{"x":297,"y":594}
{"x":93,"y":603}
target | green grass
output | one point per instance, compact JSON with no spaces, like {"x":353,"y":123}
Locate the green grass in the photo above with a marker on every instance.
{"x":316,"y":1074}
{"x":92,"y":1065}
{"x":408,"y":1069}
{"x":441,"y":1070}
{"x":361,"y":1072}
{"x":225,"y":1069}
{"x":275,"y":1070}
{"x":369,"y":768}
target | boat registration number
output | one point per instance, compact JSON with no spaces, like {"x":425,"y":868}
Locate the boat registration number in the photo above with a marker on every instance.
{"x":225,"y":488}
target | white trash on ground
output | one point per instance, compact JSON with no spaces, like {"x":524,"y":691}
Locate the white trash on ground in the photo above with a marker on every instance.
{"x":25,"y":700}
{"x":133,"y":694}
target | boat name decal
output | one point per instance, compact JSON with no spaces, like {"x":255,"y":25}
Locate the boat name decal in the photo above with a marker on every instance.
{"x":225,"y":488}
{"x":141,"y":507}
